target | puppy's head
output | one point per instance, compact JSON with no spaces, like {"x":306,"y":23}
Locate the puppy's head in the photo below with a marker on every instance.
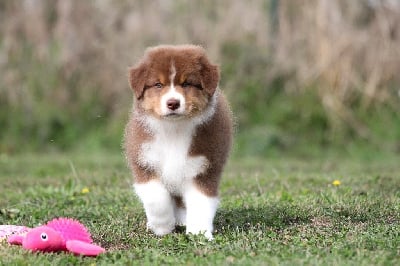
{"x":174,"y":82}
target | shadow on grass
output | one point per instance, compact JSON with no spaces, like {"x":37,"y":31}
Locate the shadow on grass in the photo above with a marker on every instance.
{"x":247,"y":218}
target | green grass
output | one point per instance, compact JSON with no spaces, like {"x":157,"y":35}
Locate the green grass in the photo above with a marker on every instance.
{"x":273,"y":211}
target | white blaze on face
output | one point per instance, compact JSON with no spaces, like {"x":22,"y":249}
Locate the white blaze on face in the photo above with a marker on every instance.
{"x":172,"y":94}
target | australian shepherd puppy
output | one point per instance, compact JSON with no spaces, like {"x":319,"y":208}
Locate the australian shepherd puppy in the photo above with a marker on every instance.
{"x":178,"y":138}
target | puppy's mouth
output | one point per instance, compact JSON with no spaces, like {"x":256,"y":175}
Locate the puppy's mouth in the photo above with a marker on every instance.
{"x":173,"y":116}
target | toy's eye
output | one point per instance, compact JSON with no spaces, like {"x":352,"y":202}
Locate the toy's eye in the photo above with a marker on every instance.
{"x":158,"y":85}
{"x":44,"y":237}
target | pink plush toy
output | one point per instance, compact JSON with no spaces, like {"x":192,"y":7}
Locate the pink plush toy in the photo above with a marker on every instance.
{"x":62,"y":234}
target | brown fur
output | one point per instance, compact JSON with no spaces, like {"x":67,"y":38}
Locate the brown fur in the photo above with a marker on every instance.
{"x":211,"y":139}
{"x":191,"y":62}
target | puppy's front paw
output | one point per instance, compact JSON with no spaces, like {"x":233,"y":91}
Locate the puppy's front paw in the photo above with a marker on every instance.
{"x":194,"y":231}
{"x":161,"y":229}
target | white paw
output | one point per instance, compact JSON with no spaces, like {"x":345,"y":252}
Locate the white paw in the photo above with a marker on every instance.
{"x":158,"y":206}
{"x":161,"y":229}
{"x":200,"y":212}
{"x":180,"y":216}
{"x":206,"y":233}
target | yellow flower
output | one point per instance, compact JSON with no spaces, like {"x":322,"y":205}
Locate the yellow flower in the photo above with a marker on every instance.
{"x":336,"y":183}
{"x":85,"y":190}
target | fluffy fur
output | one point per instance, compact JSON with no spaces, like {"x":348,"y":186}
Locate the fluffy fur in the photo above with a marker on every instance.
{"x":178,"y":138}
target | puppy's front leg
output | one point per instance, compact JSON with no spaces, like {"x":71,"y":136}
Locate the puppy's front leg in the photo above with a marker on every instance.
{"x":201,"y":210}
{"x":158,"y":205}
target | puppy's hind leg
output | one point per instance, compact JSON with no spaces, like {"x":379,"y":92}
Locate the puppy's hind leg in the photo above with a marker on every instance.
{"x":179,"y":211}
{"x":158,"y":205}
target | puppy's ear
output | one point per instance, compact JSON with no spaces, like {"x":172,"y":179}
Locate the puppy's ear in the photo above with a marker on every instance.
{"x":137,"y":79}
{"x":209,"y":76}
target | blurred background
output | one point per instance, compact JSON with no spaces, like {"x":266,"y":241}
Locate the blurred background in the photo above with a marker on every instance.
{"x":304,"y":77}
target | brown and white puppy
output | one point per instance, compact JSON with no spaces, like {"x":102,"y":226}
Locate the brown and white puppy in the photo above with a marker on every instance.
{"x":178,"y":138}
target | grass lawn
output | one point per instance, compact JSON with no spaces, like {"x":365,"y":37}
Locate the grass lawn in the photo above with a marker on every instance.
{"x":273,"y":211}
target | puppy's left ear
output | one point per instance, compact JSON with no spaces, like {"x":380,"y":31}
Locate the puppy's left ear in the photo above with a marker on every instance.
{"x":137,"y":79}
{"x":209,"y":76}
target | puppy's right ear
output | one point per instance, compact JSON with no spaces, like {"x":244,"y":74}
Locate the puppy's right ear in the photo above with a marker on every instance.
{"x":137,"y":79}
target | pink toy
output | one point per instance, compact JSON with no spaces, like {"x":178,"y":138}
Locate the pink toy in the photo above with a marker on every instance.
{"x":62,"y":234}
{"x":6,"y":230}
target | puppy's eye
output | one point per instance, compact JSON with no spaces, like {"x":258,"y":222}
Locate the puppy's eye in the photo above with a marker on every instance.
{"x":185,"y":84}
{"x":158,"y":85}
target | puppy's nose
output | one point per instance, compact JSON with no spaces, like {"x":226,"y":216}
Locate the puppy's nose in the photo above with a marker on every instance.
{"x":173,"y":104}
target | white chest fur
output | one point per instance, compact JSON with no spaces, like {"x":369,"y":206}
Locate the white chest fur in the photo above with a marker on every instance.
{"x":168,"y":154}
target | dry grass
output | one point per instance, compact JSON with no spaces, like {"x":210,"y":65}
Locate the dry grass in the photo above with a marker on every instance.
{"x":347,"y":51}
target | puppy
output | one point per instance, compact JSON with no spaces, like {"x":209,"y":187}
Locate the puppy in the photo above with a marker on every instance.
{"x":178,"y":138}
